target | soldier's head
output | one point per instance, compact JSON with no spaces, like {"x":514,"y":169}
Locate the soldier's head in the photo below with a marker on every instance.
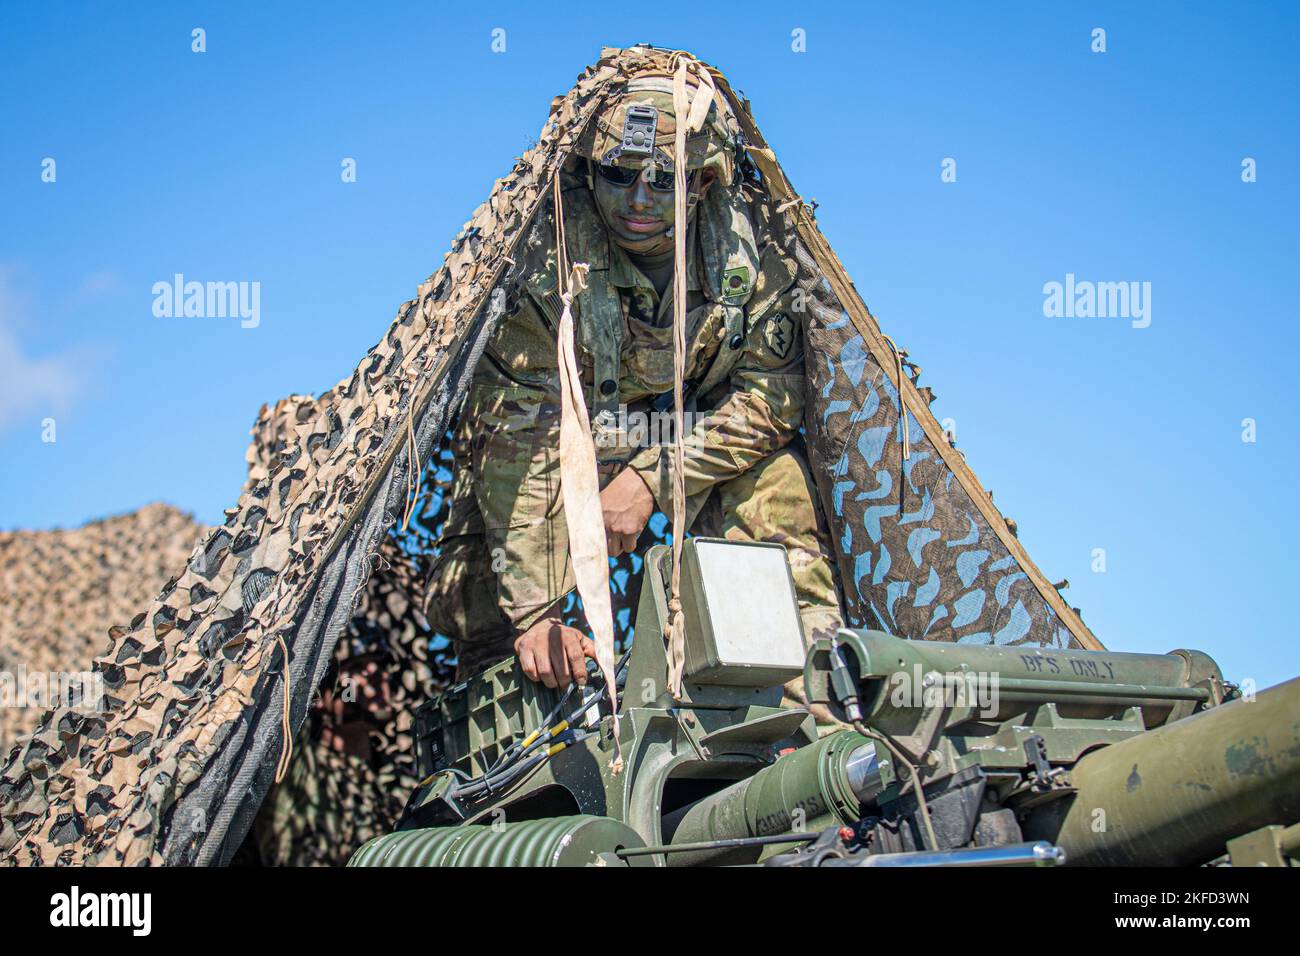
{"x":630,"y":163}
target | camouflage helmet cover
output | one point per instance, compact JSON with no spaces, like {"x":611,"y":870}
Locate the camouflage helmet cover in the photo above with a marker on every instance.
{"x":712,"y":147}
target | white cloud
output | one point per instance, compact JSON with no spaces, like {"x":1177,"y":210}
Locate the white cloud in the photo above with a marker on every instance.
{"x":99,"y":283}
{"x":33,"y":387}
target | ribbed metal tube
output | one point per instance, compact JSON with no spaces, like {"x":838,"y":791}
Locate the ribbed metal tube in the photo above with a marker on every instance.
{"x":557,"y":841}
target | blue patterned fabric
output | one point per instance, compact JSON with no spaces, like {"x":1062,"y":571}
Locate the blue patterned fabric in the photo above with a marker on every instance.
{"x":916,"y":556}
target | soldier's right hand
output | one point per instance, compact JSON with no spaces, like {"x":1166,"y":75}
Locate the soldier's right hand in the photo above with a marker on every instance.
{"x":554,"y":653}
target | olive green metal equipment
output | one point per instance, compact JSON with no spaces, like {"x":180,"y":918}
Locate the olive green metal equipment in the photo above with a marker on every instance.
{"x":1025,"y":756}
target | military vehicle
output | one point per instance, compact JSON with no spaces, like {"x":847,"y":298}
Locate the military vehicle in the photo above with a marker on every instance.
{"x":954,"y":755}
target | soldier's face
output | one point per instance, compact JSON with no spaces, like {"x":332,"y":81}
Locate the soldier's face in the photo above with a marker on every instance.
{"x":638,"y":215}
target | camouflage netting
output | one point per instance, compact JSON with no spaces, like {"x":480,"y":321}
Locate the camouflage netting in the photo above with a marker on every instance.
{"x":354,"y":759}
{"x":177,"y":768}
{"x":60,"y":590}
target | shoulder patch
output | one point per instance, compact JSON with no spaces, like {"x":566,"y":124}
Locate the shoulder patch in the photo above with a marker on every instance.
{"x":779,"y":334}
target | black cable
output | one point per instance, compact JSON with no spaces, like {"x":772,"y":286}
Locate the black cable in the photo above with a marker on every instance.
{"x":507,"y":768}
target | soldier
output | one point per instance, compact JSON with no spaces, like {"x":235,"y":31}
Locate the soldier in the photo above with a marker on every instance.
{"x":504,"y":569}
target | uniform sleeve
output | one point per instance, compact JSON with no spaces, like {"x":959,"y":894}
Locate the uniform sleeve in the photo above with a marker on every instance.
{"x":759,"y":415}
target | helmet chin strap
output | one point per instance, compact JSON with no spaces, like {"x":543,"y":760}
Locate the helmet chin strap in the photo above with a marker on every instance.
{"x":692,"y":200}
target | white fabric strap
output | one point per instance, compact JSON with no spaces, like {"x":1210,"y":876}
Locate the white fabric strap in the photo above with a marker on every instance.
{"x":579,"y":481}
{"x":690,"y":115}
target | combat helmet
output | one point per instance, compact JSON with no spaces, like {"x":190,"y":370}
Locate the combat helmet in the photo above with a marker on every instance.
{"x":639,"y":124}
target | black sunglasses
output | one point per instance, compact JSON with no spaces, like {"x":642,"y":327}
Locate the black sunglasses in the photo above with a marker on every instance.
{"x":660,"y":181}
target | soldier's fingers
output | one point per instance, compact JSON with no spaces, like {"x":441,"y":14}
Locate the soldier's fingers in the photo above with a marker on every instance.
{"x":542,"y":659}
{"x":614,"y":542}
{"x":540,"y":649}
{"x":559,"y":662}
{"x":577,"y":663}
{"x":629,"y":543}
{"x":527,"y":663}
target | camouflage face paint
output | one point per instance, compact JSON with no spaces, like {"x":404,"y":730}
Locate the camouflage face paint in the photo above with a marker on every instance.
{"x":638,"y":217}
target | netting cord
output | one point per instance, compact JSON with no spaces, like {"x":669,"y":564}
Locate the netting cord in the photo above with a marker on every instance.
{"x":902,"y":402}
{"x":413,"y":488}
{"x":286,"y":745}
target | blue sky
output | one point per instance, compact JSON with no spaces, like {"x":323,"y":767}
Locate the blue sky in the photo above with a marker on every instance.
{"x":1116,"y":166}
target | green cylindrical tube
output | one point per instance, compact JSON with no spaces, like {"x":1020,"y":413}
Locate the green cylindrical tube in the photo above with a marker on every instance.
{"x":814,"y":787}
{"x":1176,"y":795}
{"x":895,"y":675}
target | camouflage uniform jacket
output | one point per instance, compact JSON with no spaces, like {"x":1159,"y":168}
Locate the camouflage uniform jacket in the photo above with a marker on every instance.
{"x":745,"y":414}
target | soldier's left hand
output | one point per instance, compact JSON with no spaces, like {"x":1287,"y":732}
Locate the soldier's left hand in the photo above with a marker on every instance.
{"x":627,"y":505}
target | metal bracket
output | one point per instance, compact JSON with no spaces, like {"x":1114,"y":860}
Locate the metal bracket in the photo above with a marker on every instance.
{"x":640,"y":127}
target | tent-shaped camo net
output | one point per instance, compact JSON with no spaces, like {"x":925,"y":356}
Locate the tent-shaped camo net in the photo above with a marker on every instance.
{"x":307,"y":577}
